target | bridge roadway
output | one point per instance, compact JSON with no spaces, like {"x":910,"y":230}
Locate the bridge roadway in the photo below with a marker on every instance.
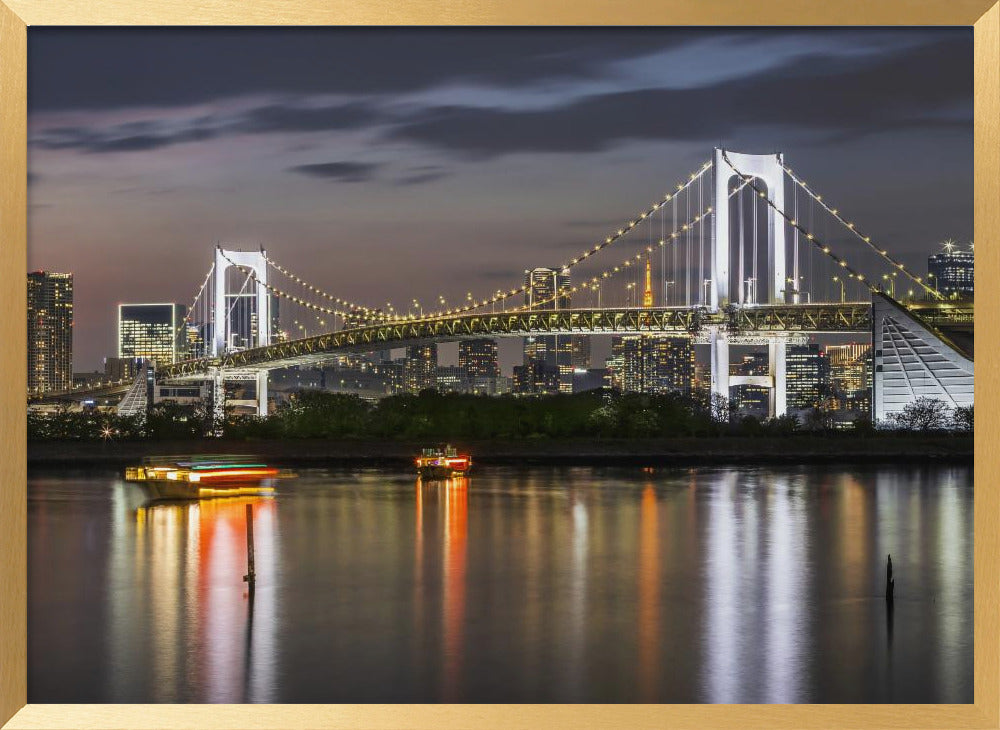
{"x":805,"y":318}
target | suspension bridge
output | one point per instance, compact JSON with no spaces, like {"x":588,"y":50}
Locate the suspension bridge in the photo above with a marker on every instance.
{"x":742,"y":251}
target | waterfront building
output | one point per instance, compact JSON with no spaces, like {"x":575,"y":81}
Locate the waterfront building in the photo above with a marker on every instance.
{"x":478,"y":358}
{"x":152,"y":331}
{"x":420,"y":370}
{"x":807,"y":376}
{"x":952,"y":272}
{"x":50,"y":331}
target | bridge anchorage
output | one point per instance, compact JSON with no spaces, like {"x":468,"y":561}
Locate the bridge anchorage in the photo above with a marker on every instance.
{"x":740,"y":252}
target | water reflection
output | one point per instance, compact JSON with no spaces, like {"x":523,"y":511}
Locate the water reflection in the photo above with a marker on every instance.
{"x":187,"y":560}
{"x":649,"y":596}
{"x":531,"y":585}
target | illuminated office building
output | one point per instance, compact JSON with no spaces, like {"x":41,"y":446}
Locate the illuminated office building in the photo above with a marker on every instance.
{"x":952,"y":272}
{"x":50,"y":331}
{"x":152,"y":332}
{"x":807,"y":376}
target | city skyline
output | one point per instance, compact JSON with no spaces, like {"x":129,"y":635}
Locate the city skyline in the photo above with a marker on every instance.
{"x":461,"y":174}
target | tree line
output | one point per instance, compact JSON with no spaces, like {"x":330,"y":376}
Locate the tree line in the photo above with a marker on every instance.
{"x":450,"y":416}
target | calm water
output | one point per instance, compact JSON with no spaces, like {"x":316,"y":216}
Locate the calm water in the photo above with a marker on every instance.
{"x":535,"y":585}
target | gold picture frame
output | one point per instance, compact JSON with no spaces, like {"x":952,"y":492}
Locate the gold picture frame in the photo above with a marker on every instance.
{"x":17,"y":15}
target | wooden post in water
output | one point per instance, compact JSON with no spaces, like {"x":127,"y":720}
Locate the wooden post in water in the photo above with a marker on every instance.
{"x":890,"y":584}
{"x":251,"y":576}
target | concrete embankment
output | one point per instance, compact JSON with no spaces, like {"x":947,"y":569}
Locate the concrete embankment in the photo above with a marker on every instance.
{"x":840,"y":449}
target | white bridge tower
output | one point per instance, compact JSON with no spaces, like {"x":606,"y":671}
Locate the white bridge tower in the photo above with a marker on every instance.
{"x":769,"y":170}
{"x":241,"y":320}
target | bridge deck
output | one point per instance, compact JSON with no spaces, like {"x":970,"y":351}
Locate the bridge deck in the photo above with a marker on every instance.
{"x":680,"y":321}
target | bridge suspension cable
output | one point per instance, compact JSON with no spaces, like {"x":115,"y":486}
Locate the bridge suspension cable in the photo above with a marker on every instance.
{"x":819,"y":245}
{"x":860,"y":236}
{"x":621,"y":233}
{"x":673,"y":238}
{"x":283,"y":294}
{"x":325,"y":295}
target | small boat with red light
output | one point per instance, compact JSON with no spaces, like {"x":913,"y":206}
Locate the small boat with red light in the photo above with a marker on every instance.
{"x":204,"y":477}
{"x":442,"y":463}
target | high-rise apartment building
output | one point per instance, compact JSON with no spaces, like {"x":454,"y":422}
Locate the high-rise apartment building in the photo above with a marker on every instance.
{"x":478,"y":358}
{"x":652,"y":364}
{"x":420,"y":370}
{"x":153,"y":332}
{"x":547,"y":288}
{"x":50,"y":331}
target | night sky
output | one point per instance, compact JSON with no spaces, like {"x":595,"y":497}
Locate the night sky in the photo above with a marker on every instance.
{"x":393,"y":164}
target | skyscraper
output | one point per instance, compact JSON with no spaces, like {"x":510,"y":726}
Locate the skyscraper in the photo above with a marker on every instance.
{"x":580,"y":351}
{"x":952,"y":272}
{"x":420,"y":370}
{"x":153,"y":332}
{"x":479,"y":358}
{"x":807,"y":376}
{"x":547,"y":288}
{"x":50,"y":331}
{"x":656,"y":364}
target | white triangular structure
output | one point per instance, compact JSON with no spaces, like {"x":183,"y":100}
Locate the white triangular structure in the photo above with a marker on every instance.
{"x":911,"y":361}
{"x":136,"y":400}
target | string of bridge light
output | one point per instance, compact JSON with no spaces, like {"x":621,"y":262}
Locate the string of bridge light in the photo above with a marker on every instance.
{"x":502,"y":296}
{"x":329,"y":297}
{"x":609,"y":272}
{"x":595,"y":282}
{"x":584,"y":255}
{"x":290,"y":297}
{"x":795,"y":224}
{"x":863,"y":238}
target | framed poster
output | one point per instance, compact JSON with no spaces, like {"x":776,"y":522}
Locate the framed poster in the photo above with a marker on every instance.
{"x":690,"y":292}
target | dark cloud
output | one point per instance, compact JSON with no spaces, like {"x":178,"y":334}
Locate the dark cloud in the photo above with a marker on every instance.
{"x":279,"y":118}
{"x":927,"y":86}
{"x":149,"y":135}
{"x":422,"y":174}
{"x":105,"y":68}
{"x":351,"y":172}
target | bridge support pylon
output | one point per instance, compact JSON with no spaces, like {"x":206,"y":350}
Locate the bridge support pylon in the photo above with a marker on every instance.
{"x":777,"y":349}
{"x":768,"y":169}
{"x":776,"y":379}
{"x":718,"y":343}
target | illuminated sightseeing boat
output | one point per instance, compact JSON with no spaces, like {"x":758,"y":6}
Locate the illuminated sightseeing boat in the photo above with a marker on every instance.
{"x":442,"y":463}
{"x":204,"y":477}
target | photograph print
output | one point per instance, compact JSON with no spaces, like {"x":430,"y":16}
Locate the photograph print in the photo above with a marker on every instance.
{"x":520,"y":365}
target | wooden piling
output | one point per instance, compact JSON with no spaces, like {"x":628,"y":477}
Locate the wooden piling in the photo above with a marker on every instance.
{"x":890,"y":583}
{"x":251,"y":575}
